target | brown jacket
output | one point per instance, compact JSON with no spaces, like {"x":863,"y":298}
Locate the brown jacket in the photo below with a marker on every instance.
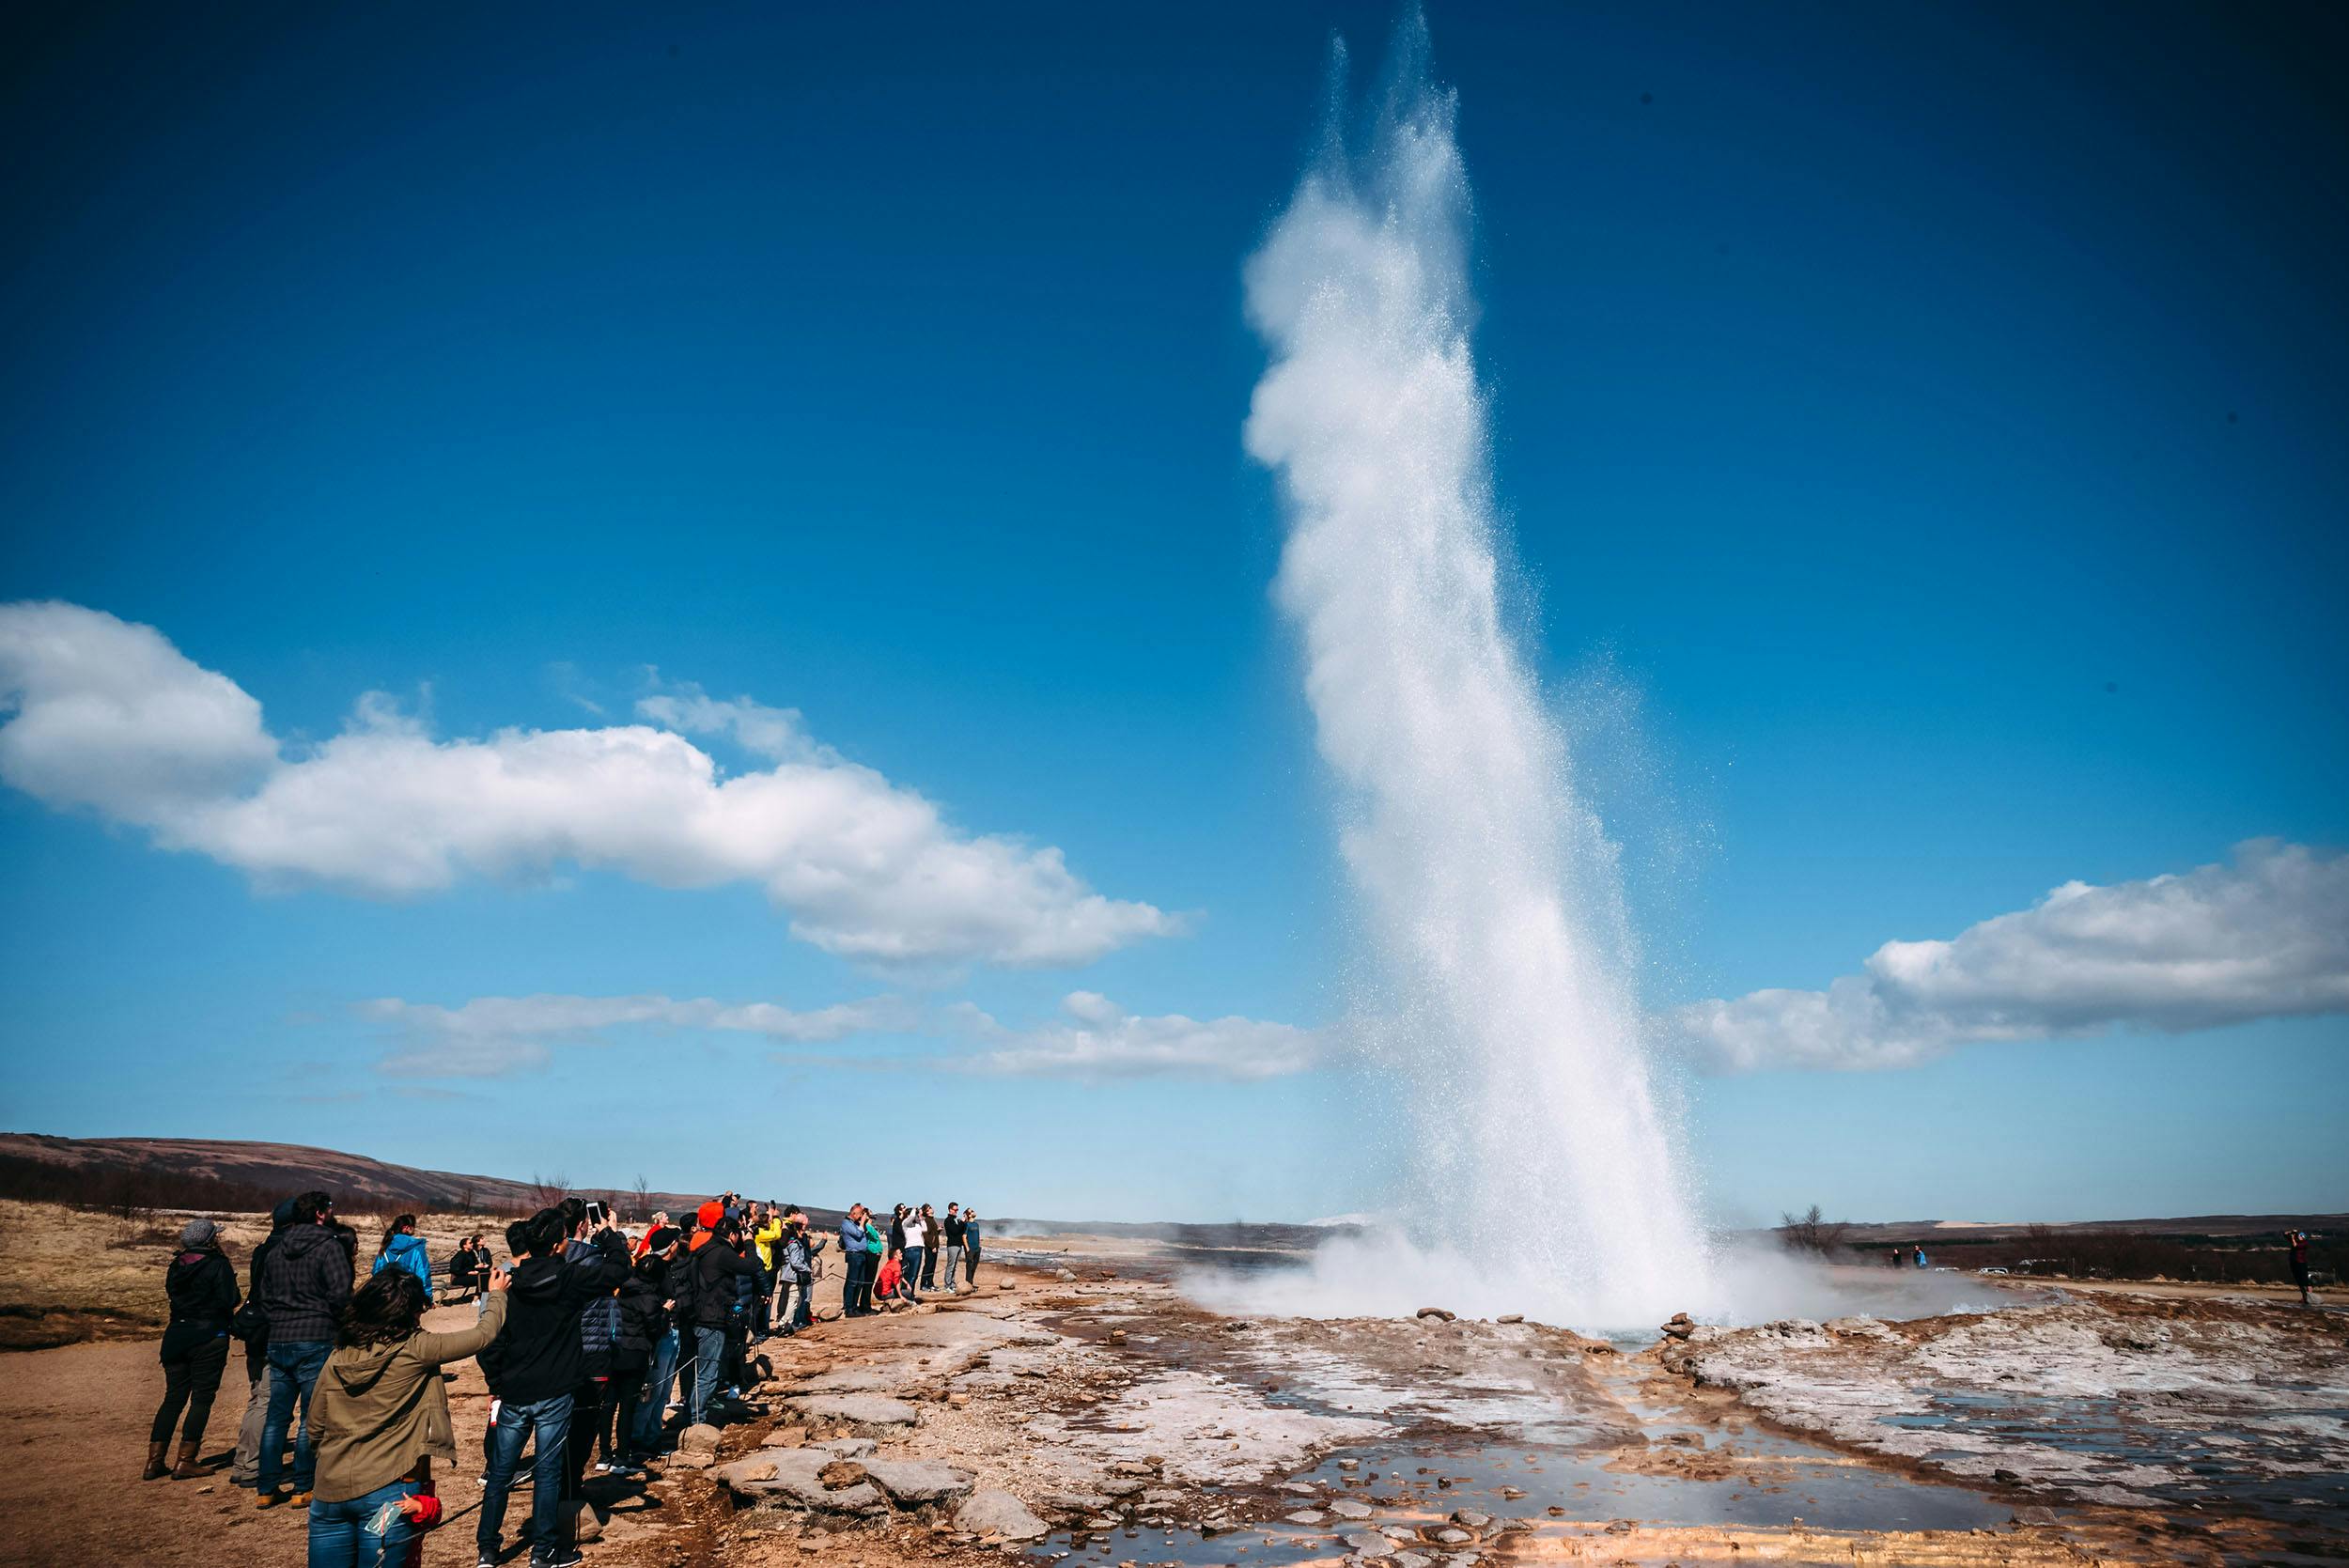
{"x":378,"y":1411}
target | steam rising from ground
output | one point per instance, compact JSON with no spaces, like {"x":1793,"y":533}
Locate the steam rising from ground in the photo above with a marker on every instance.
{"x":1490,"y":890}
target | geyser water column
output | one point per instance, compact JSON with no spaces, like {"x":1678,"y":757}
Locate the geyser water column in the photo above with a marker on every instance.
{"x":1491,"y":892}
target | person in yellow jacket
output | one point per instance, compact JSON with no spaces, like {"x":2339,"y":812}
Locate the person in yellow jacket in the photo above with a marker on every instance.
{"x":767,"y":1241}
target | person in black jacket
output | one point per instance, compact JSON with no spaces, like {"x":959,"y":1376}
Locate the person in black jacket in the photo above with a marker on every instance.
{"x":304,"y":1286}
{"x":202,"y":1286}
{"x":539,"y":1366}
{"x":717,"y":1267}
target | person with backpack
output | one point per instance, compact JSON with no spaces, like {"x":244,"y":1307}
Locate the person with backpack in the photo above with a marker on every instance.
{"x":402,"y":1248}
{"x":540,"y":1367}
{"x":201,"y":1285}
{"x":303,"y":1288}
{"x":381,"y":1418}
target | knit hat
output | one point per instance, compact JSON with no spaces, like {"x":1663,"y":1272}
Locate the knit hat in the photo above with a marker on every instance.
{"x":710,"y":1214}
{"x":196,"y":1234}
{"x":661,"y":1236}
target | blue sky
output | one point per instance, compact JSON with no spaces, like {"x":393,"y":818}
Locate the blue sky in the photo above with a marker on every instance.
{"x":1931,"y":417}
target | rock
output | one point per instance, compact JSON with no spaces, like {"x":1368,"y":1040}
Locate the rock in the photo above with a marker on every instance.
{"x":1005,"y":1285}
{"x":585,"y":1523}
{"x":839,"y":1473}
{"x":1117,"y":1335}
{"x":1859,"y":1328}
{"x":1121,"y":1488}
{"x":1349,"y":1464}
{"x":696,"y":1460}
{"x":1511,"y":1493}
{"x":1439,"y":1313}
{"x":958,"y":1401}
{"x":915,"y":1482}
{"x":1076,"y":1504}
{"x":1453,"y":1535}
{"x":1510,"y":1317}
{"x":1062,"y":1274}
{"x":853,"y":1410}
{"x":1398,"y":1532}
{"x":994,"y":1512}
{"x":1412,"y":1559}
{"x":847,"y":1447}
{"x":1367,"y":1542}
{"x":784,"y":1437}
{"x":1473,"y":1519}
{"x":2007,"y":1476}
{"x":1349,"y":1508}
{"x":702,"y":1438}
{"x":795,"y":1477}
{"x":1305,"y":1517}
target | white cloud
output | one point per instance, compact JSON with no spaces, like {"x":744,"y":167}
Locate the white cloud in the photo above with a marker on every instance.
{"x":108,"y":716}
{"x":2264,"y":937}
{"x":1098,"y":1040}
{"x":492,"y":1036}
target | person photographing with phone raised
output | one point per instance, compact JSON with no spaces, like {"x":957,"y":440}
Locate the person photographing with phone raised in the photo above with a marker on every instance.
{"x":380,"y":1418}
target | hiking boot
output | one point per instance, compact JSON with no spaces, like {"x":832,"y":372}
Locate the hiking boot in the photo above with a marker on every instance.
{"x":156,"y":1469}
{"x":268,"y":1499}
{"x":187,"y":1469}
{"x":299,"y":1499}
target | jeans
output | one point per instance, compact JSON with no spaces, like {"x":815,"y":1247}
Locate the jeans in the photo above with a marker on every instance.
{"x":803,"y":1311}
{"x":951,"y":1267}
{"x":911,"y":1265}
{"x":344,"y":1534}
{"x":550,"y":1419}
{"x":191,"y":1379}
{"x":709,"y":1359}
{"x":293,"y":1370}
{"x":852,"y":1276}
{"x":970,"y":1266}
{"x":649,"y":1419}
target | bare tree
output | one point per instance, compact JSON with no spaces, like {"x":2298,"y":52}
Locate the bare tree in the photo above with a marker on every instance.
{"x":1808,"y":1232}
{"x":644,"y":1198}
{"x":550,"y":1190}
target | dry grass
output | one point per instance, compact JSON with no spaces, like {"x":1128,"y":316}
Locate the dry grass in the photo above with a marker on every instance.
{"x":68,"y":1275}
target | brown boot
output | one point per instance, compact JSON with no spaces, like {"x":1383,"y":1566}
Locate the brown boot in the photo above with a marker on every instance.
{"x":187,"y":1469}
{"x":155,"y":1467}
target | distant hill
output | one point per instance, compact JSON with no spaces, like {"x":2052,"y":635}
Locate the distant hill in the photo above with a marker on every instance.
{"x":199,"y":1173}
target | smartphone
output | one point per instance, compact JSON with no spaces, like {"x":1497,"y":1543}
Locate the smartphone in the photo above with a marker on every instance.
{"x":597,"y":1215}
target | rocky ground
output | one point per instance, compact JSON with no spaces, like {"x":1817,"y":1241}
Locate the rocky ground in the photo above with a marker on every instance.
{"x":1090,"y":1415}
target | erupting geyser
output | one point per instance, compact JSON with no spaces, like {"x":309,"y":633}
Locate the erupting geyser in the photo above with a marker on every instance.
{"x":1544,"y":1171}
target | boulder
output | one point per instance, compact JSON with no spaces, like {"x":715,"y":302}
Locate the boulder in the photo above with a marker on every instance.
{"x":1005,"y":1285}
{"x":700,"y":1438}
{"x":1305,"y":1517}
{"x":1349,"y":1508}
{"x":794,"y":1477}
{"x":998,"y":1512}
{"x":839,"y":1473}
{"x":1437,"y":1313}
{"x":1510,"y":1317}
{"x":916,"y":1483}
{"x":847,"y":1447}
{"x":1369,"y":1542}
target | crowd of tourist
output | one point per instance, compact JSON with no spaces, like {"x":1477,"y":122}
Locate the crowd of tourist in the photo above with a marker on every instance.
{"x":584,"y":1334}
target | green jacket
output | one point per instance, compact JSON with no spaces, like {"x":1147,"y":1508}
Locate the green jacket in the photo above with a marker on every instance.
{"x":378,"y":1411}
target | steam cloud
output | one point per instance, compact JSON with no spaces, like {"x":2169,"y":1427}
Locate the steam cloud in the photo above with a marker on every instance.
{"x":108,"y":716}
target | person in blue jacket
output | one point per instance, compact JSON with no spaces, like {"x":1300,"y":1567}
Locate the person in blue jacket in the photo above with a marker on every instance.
{"x":404,"y":1248}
